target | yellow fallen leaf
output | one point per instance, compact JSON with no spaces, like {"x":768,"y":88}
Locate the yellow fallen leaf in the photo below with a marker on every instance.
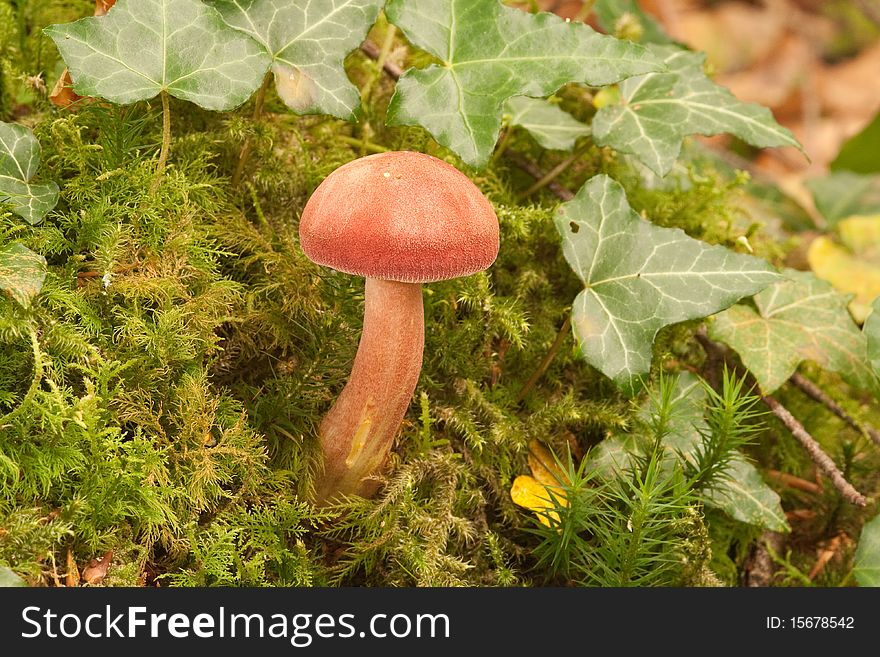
{"x":861,"y":234}
{"x":847,"y":272}
{"x":531,"y":494}
{"x":544,"y":466}
{"x":543,"y":491}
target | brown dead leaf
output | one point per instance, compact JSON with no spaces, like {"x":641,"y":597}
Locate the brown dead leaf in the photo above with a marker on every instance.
{"x":735,"y":35}
{"x":852,"y":88}
{"x":62,"y":93}
{"x":103,"y":6}
{"x":72,"y":576}
{"x":96,"y":570}
{"x":776,"y":81}
{"x":827,"y":553}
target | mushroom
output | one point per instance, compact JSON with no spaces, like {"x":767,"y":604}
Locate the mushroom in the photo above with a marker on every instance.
{"x":399,"y":219}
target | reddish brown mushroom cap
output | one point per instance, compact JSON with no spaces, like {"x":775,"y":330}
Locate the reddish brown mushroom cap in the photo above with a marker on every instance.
{"x":400,"y":216}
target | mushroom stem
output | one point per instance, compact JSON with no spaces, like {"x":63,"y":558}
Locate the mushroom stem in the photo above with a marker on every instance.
{"x":357,"y":433}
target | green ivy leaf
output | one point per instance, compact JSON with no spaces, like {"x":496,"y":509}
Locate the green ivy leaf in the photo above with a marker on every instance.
{"x":866,"y":568}
{"x":22,"y":272}
{"x":639,"y":277}
{"x":744,"y":495}
{"x":843,"y":194}
{"x":19,"y":161}
{"x":8,"y":578}
{"x":657,"y":111}
{"x":143,"y":47}
{"x":871,"y":329}
{"x":307,"y":43}
{"x":799,"y":319}
{"x":551,"y":127}
{"x":490,"y":53}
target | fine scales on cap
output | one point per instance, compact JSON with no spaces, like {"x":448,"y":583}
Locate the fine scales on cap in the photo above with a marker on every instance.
{"x":400,"y":216}
{"x":398,"y":219}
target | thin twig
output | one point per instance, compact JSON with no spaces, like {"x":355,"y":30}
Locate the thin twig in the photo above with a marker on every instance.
{"x":373,"y":52}
{"x":532,"y":169}
{"x":381,"y":56}
{"x":817,"y":454}
{"x":817,"y":394}
{"x":502,"y":143}
{"x":551,"y":175}
{"x":545,"y":362}
{"x":800,"y":514}
{"x":795,"y":482}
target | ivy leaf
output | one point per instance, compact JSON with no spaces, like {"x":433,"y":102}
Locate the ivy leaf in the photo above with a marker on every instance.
{"x":871,"y":329}
{"x":8,"y":577}
{"x":744,"y":495}
{"x":490,"y":53}
{"x":639,"y":277}
{"x":551,"y":127}
{"x":19,"y":160}
{"x":657,"y":111}
{"x":307,"y":43}
{"x":866,"y":568}
{"x":843,"y":194}
{"x":799,"y":319}
{"x":143,"y":47}
{"x":22,"y":272}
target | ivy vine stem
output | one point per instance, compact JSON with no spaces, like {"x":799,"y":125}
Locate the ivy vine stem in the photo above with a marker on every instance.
{"x":166,"y":142}
{"x":245,"y":152}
